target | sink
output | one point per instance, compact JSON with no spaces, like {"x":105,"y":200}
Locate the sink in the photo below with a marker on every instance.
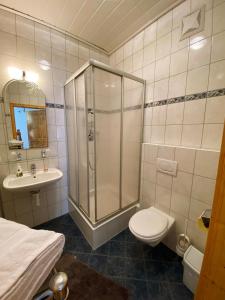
{"x":32,"y":182}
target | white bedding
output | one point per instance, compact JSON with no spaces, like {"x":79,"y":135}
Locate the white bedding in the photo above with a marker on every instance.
{"x":26,"y":259}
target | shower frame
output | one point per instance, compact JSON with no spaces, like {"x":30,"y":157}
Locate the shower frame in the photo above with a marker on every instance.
{"x":96,"y":64}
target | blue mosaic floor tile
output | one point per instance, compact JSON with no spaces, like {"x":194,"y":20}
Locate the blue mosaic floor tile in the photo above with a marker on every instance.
{"x":98,"y":262}
{"x":117,"y":248}
{"x":156,"y":270}
{"x":135,"y":268}
{"x":158,"y":291}
{"x":115,"y":266}
{"x":138,"y":289}
{"x":180,"y":292}
{"x":149,"y":273}
{"x":134,"y":250}
{"x":102,"y":250}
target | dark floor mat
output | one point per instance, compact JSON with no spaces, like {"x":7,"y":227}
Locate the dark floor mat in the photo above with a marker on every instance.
{"x":86,"y":283}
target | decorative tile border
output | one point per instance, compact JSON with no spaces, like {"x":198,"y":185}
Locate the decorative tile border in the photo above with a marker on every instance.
{"x":198,"y":96}
{"x":53,"y":105}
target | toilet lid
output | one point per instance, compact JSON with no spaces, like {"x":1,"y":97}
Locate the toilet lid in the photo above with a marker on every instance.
{"x":148,"y":223}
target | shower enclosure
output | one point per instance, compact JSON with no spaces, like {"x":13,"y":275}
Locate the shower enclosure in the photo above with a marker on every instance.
{"x":104,"y":123}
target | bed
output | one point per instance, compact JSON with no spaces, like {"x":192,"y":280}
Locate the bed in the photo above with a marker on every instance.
{"x":27,"y":256}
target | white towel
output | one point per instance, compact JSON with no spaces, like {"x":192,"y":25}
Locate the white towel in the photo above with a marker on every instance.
{"x":26,"y":259}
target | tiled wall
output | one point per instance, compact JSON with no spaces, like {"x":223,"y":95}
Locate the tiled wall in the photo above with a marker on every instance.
{"x":179,"y":71}
{"x":185,"y":108}
{"x":184,"y":196}
{"x":54,"y":57}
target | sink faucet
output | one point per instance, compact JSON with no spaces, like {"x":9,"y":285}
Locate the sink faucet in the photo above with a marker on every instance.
{"x":18,"y":156}
{"x":43,"y":153}
{"x":33,"y":169}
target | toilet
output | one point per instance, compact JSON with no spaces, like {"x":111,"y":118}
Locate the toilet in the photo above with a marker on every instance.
{"x":150,"y":225}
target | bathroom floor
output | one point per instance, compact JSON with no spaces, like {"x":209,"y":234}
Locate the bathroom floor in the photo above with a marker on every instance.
{"x":149,"y":273}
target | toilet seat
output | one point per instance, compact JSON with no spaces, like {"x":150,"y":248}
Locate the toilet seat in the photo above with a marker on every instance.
{"x":148,"y":224}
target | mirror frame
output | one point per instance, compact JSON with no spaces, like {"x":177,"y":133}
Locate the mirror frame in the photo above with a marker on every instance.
{"x":11,"y":105}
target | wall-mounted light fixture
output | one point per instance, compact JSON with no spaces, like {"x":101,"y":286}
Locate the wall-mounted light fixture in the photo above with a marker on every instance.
{"x":16,"y":73}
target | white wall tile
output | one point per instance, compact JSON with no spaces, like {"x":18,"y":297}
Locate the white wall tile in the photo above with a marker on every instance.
{"x":7,"y":21}
{"x":149,"y":72}
{"x":137,"y":60}
{"x":25,"y":28}
{"x":218,"y":18}
{"x":177,"y":85}
{"x":149,"y":53}
{"x":197,"y":80}
{"x":186,"y":159}
{"x":163,"y":196}
{"x":212,"y":136}
{"x":173,"y":134}
{"x":8,"y":43}
{"x":215,"y":110}
{"x":158,"y":134}
{"x":150,"y":34}
{"x":25,"y":49}
{"x":42,"y":34}
{"x":150,"y":153}
{"x":218,"y":47}
{"x":196,"y":209}
{"x":180,"y":204}
{"x":163,"y":46}
{"x":128,"y":64}
{"x":166,"y":152}
{"x":194,"y":112}
{"x":147,"y":134}
{"x":207,"y":32}
{"x":164,"y":24}
{"x":199,"y":54}
{"x":58,"y":40}
{"x":149,"y":172}
{"x":182,"y":183}
{"x":164,"y":180}
{"x":206,"y":163}
{"x":175,"y":113}
{"x":192,"y":135}
{"x":217,"y":75}
{"x":179,"y":61}
{"x":203,"y":189}
{"x":162,"y":68}
{"x":127,"y":49}
{"x":148,"y":116}
{"x":148,"y":194}
{"x":179,"y":12}
{"x":71,"y":46}
{"x":161,"y":89}
{"x":138,"y":41}
{"x":177,"y":44}
{"x":159,"y":115}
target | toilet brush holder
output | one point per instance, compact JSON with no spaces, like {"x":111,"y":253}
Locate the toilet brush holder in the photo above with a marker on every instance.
{"x":183,"y":242}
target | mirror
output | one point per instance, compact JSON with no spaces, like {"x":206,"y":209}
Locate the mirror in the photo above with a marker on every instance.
{"x":25,"y":112}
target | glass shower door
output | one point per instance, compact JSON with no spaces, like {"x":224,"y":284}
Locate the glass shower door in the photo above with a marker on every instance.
{"x":107,"y":100}
{"x":71,"y":141}
{"x":132,"y":138}
{"x":82,"y":143}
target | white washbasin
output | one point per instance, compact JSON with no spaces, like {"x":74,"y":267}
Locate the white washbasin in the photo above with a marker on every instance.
{"x":32,"y":182}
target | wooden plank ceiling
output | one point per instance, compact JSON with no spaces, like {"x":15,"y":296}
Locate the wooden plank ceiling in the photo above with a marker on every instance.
{"x":104,"y":23}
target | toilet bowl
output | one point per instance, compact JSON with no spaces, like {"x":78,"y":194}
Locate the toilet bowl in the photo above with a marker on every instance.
{"x":150,"y":225}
